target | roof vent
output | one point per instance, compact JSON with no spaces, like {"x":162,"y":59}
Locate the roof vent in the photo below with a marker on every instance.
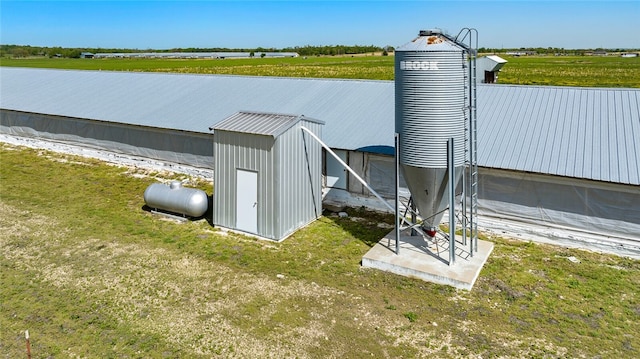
{"x":430,"y":32}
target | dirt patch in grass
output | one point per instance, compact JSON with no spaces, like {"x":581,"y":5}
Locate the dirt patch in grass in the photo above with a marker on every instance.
{"x":202,"y":307}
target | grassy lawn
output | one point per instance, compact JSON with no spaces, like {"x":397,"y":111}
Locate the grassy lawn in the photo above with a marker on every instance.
{"x":92,"y":274}
{"x":587,"y":71}
{"x":584,"y":71}
{"x":360,"y":67}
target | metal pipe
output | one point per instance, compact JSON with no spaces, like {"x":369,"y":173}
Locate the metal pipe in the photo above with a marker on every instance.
{"x":395,"y":210}
{"x":346,"y":166}
{"x":414,"y":217}
{"x":463,"y":203}
{"x":452,"y":203}
{"x":397,"y":165}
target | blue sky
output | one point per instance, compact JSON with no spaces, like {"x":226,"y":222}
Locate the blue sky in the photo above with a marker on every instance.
{"x":250,"y":24}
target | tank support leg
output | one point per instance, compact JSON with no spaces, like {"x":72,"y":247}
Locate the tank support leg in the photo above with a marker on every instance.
{"x":397,"y":166}
{"x":452,"y":202}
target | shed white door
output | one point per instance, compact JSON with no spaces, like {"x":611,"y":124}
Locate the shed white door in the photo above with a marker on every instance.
{"x":336,"y":173}
{"x":247,"y":201}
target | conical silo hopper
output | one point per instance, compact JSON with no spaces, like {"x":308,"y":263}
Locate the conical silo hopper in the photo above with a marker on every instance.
{"x":430,"y":88}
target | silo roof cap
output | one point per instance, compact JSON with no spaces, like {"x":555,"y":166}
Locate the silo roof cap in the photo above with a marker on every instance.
{"x":431,"y":40}
{"x":430,"y":32}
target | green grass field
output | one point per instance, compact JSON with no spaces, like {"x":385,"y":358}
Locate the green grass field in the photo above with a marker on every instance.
{"x":91,"y":274}
{"x":588,"y":71}
{"x":361,"y":67}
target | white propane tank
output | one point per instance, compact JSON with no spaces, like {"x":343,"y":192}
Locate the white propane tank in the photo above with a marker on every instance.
{"x":177,"y":199}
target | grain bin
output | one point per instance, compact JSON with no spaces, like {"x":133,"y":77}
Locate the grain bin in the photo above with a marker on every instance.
{"x":430,"y":88}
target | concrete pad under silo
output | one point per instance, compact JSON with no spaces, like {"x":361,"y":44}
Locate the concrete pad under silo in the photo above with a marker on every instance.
{"x":428,"y":260}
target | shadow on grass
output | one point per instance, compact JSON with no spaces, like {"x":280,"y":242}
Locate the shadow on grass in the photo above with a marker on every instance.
{"x":367,"y":226}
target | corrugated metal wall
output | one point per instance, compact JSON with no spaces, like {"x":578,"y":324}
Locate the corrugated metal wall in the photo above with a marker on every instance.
{"x":177,"y":146}
{"x":300,"y":174}
{"x":234,"y":151}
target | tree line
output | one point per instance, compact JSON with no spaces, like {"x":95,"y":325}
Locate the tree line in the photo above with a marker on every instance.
{"x":21,"y":51}
{"x":335,"y":50}
{"x":551,"y":50}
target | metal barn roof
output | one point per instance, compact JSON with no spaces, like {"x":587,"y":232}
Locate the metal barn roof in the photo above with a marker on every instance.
{"x":192,"y":55}
{"x":196,"y":102}
{"x":589,"y":133}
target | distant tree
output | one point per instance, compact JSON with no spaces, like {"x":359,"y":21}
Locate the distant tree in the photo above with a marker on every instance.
{"x":20,"y":52}
{"x":54,"y":51}
{"x":72,"y":53}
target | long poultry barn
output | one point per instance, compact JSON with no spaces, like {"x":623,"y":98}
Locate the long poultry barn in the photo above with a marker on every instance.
{"x":561,"y":157}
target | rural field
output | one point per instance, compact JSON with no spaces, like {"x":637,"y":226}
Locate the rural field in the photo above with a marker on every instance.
{"x":590,"y":71}
{"x":92,"y":274}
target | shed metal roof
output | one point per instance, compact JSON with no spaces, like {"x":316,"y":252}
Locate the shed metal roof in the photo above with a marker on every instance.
{"x":490,"y":63}
{"x":589,"y":133}
{"x":259,"y":123}
{"x":496,"y":59}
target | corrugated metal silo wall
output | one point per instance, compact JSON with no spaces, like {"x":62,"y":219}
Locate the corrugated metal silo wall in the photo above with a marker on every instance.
{"x":299,"y":168}
{"x":430,"y":106}
{"x":234,"y":151}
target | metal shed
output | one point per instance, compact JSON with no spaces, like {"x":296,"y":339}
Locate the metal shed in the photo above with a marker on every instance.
{"x":267,"y":173}
{"x":488,"y":68}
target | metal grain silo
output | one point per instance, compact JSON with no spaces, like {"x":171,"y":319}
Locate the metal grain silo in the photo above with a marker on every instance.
{"x":430,"y":88}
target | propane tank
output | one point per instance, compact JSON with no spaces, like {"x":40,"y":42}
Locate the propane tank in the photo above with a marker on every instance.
{"x":177,"y":199}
